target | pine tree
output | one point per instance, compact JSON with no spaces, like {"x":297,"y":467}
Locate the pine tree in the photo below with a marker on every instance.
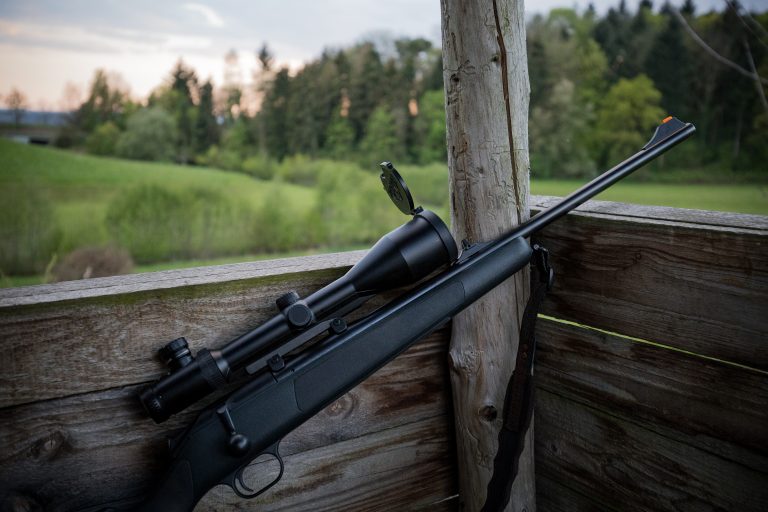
{"x":668,"y":65}
{"x":275,"y":114}
{"x":206,"y":127}
{"x":183,"y":87}
{"x":365,"y":86}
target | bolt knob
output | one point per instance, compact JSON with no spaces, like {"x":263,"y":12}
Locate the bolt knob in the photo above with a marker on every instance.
{"x":239,"y":444}
{"x":176,"y":354}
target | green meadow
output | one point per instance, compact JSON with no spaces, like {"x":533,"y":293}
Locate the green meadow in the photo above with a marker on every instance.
{"x":170,"y":216}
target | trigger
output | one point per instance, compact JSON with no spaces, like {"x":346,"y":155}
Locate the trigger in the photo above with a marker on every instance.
{"x":243,"y":490}
{"x":239,"y":478}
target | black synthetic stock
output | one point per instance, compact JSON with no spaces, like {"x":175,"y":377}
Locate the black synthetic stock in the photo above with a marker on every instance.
{"x":268,"y":408}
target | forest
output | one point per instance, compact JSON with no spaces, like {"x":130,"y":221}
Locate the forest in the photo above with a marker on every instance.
{"x":198,"y":172}
{"x":599,"y":84}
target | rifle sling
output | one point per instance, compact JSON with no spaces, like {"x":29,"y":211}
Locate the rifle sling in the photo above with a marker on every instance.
{"x":518,"y":400}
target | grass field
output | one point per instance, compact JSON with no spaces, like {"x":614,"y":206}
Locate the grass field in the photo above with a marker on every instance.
{"x":725,"y":198}
{"x":81,"y":188}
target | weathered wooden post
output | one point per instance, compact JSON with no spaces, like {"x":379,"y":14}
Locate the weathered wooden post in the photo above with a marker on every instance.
{"x":486,"y":90}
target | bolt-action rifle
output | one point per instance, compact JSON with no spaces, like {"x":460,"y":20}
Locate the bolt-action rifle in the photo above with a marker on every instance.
{"x":307,"y":356}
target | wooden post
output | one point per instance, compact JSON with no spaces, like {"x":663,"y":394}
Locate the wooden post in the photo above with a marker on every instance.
{"x":486,"y":90}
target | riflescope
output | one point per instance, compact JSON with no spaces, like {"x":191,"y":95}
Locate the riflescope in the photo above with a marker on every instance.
{"x":402,"y":256}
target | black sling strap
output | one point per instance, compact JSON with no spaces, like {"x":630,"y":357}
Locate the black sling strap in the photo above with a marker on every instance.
{"x":518,"y":400}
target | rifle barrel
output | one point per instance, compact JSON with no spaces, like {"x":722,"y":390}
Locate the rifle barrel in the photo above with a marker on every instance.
{"x":605,"y":180}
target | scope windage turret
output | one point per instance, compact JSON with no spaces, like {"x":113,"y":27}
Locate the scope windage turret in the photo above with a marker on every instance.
{"x":402,"y":256}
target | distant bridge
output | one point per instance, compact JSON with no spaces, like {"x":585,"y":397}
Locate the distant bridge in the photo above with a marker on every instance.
{"x":34,"y":127}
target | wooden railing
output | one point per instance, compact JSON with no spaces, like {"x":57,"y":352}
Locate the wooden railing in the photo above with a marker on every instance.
{"x":652,"y":379}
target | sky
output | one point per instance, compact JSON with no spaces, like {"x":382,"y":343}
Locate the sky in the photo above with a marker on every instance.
{"x":46,"y":44}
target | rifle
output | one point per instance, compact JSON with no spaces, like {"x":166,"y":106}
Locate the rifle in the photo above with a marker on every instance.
{"x":290,"y":371}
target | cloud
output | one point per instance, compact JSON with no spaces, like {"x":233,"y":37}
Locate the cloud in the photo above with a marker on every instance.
{"x":211,"y":16}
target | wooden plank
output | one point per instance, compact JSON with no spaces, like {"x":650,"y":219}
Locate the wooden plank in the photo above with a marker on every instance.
{"x":554,"y":496}
{"x":284,"y":268}
{"x":86,"y":449}
{"x":640,"y":427}
{"x":58,"y":348}
{"x":410,"y":467}
{"x":619,"y":462}
{"x":692,"y":286}
{"x":666,"y":213}
{"x":716,"y":407}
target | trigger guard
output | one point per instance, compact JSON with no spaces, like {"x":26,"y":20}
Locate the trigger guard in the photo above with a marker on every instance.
{"x":237,"y":479}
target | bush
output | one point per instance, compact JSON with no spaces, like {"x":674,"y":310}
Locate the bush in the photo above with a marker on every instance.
{"x":150,"y":135}
{"x":352,"y":208}
{"x":220,"y":159}
{"x":29,"y":231}
{"x":277,"y":228}
{"x":158,"y":224}
{"x":299,"y":169}
{"x":90,"y":262}
{"x":103,"y":140}
{"x":260,"y":166}
{"x":428,"y":183}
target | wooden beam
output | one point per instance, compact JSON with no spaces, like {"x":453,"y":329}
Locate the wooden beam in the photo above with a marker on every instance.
{"x":486,"y":92}
{"x":409,"y":467}
{"x":642,"y":427}
{"x":617,"y":461}
{"x":694,"y":280}
{"x":88,"y":449}
{"x":82,"y":336}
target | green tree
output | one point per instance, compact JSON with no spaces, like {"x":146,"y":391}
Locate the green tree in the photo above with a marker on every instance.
{"x":274,"y":113}
{"x":106,"y":101}
{"x":561,"y":48}
{"x":365,"y":86}
{"x":429,"y":128}
{"x":339,"y":138}
{"x":184,"y":85}
{"x":206,"y":127}
{"x":626,"y":118}
{"x":557,"y":132}
{"x":380,"y":142}
{"x":150,"y":135}
{"x":669,"y":66}
{"x":103,"y":140}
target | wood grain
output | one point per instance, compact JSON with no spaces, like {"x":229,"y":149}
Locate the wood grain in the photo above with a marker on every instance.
{"x":639,"y":427}
{"x":486,"y":93}
{"x":554,"y":496}
{"x":68,"y":346}
{"x":91,"y":448}
{"x":619,"y":462}
{"x":285,"y":269}
{"x":665,"y":213}
{"x":716,"y":407}
{"x":698,"y":287}
{"x":410,"y":467}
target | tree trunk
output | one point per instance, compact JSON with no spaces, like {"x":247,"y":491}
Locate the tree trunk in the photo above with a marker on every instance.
{"x":485,"y":73}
